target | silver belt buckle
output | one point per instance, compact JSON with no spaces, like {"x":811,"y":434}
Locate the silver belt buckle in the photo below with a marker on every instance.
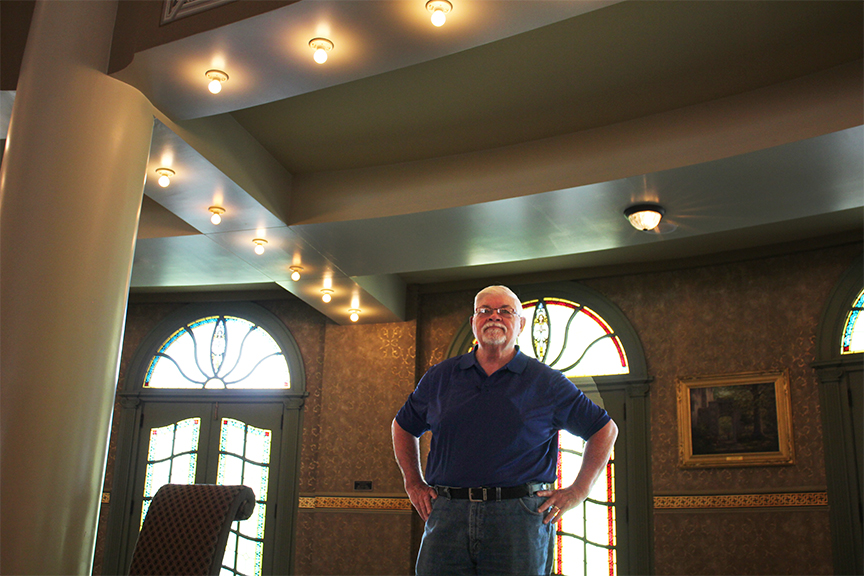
{"x":471,"y":495}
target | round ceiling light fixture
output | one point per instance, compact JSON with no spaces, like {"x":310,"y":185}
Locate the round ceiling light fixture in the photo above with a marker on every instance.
{"x":217,"y":212}
{"x":439,"y":10}
{"x":321,"y":47}
{"x":259,"y":245}
{"x":644,"y":216}
{"x":165,"y":175}
{"x":326,"y":295}
{"x":216,"y":77}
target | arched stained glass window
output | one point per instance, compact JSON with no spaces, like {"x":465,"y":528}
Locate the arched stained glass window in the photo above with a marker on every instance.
{"x":213,"y":395}
{"x":853,"y":329}
{"x":219,"y":352}
{"x":571,"y":338}
{"x":574,"y":339}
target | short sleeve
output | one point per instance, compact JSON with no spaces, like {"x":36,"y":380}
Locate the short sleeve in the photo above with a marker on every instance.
{"x":575,"y":412}
{"x":412,"y":416}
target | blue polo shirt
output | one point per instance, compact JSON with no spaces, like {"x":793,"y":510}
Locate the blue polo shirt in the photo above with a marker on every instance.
{"x":498,"y":430}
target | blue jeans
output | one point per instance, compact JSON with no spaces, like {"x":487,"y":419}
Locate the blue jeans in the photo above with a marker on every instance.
{"x":504,"y":537}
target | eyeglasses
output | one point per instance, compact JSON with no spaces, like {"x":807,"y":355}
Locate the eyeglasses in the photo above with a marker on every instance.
{"x":503,"y":312}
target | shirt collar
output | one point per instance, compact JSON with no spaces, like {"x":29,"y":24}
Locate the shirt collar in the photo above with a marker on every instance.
{"x":516,"y":365}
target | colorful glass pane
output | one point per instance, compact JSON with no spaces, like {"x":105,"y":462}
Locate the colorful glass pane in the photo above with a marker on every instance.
{"x":172,"y":457}
{"x":853,"y":330}
{"x":572,"y":338}
{"x":219,"y":352}
{"x":586,"y":538}
{"x":244,"y":458}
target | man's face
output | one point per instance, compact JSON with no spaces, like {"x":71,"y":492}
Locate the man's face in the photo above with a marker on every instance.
{"x":495,"y":329}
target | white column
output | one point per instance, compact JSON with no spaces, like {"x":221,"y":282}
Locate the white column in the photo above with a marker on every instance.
{"x":71,"y":184}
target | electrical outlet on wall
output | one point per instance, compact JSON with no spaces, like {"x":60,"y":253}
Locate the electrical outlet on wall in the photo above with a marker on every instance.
{"x":363,"y":485}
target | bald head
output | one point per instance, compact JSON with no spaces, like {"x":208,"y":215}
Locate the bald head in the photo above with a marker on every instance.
{"x":501,"y":291}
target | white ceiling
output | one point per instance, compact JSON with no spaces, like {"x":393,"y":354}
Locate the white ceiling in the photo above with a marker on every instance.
{"x":508,"y":142}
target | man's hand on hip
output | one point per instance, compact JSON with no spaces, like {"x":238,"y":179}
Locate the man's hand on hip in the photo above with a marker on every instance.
{"x":421,"y":496}
{"x":559,"y":501}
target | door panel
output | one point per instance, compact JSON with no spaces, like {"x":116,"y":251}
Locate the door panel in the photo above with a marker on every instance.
{"x":214,"y":443}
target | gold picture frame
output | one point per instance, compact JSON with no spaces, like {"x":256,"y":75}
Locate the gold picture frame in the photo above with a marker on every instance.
{"x":735,"y":420}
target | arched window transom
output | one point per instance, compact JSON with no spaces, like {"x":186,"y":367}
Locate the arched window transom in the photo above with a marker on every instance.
{"x":219,"y":352}
{"x":572,"y":338}
{"x":853,"y":330}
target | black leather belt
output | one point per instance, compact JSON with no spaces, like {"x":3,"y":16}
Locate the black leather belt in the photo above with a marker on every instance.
{"x":485,"y":493}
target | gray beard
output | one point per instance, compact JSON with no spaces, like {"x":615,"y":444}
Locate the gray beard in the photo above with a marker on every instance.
{"x":495,"y":338}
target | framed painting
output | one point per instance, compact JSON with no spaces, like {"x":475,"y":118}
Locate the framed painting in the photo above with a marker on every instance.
{"x":735,"y":420}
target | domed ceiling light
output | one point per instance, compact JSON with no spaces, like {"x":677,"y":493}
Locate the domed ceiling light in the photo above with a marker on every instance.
{"x":644,"y":216}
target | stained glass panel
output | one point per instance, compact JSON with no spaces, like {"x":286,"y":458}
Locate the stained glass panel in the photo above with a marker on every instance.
{"x":586,"y":537}
{"x":571,"y":338}
{"x":219,"y":352}
{"x":853,"y":330}
{"x":172,"y":457}
{"x":244,"y":458}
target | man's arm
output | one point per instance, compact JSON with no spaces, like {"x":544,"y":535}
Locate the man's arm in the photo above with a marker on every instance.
{"x":594,"y":459}
{"x":407,"y":450}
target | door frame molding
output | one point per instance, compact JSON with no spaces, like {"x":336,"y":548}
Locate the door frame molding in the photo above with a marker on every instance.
{"x":836,"y":374}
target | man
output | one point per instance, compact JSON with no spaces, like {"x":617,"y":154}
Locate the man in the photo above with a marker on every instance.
{"x":495,"y":414}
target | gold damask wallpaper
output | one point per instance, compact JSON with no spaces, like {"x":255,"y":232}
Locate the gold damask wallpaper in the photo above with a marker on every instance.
{"x":368,"y":374}
{"x":741,"y":542}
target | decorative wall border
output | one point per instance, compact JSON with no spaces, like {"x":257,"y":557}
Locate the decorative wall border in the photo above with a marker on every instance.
{"x":780,"y":500}
{"x":353,"y":503}
{"x":788,"y":499}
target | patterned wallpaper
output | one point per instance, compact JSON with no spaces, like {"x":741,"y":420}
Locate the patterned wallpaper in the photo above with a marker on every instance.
{"x":440,"y":317}
{"x":752,"y":316}
{"x":753,"y":542}
{"x":718,"y":319}
{"x":352,"y":543}
{"x":368,"y":373}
